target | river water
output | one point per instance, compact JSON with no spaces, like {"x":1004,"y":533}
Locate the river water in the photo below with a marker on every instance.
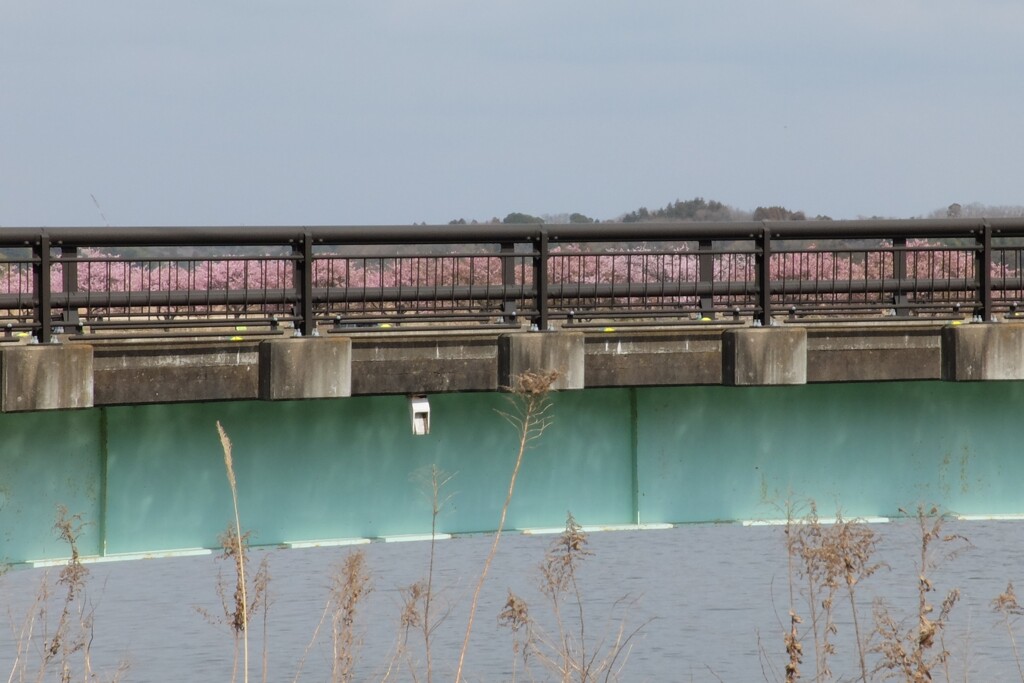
{"x":711,"y":603}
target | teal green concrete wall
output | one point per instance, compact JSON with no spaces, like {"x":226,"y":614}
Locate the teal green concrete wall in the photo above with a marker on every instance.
{"x":723,"y":453}
{"x":151,"y":478}
{"x":351,"y":468}
{"x":47,"y":460}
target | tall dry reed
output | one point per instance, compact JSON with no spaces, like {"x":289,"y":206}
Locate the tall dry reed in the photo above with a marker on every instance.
{"x":573,"y":652}
{"x":830,"y":558}
{"x":245,"y":600}
{"x":1006,"y":605}
{"x":349,"y":585}
{"x":917,"y":652}
{"x":419,"y":598}
{"x":65,"y":650}
{"x":530,"y":415}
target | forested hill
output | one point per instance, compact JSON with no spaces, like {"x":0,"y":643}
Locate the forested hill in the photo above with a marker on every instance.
{"x":700,"y":209}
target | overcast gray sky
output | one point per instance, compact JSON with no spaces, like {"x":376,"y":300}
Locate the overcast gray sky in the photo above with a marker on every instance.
{"x":204,"y":112}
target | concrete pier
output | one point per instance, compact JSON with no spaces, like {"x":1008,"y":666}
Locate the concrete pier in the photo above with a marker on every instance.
{"x":46,"y":377}
{"x":540,"y":352}
{"x":983,"y":351}
{"x":764,"y":356}
{"x":317,"y":367}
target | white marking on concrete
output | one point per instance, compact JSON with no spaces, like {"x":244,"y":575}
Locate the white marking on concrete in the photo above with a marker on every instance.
{"x":118,"y":557}
{"x":326,"y":543}
{"x":404,"y":538}
{"x":547,"y":531}
{"x":821,"y":520}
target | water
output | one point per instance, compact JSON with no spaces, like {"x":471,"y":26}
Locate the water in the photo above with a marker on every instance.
{"x":710,"y":602}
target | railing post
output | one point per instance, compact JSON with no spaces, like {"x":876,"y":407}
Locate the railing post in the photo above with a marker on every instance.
{"x":762,"y":263}
{"x":41,"y":285}
{"x":706,"y":273}
{"x":508,"y":281}
{"x":303,"y":308}
{"x":540,"y":278}
{"x":983,"y":273}
{"x":69,"y":278}
{"x":899,"y":267}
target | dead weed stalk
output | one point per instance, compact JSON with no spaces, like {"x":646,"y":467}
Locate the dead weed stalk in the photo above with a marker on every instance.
{"x":530,"y":415}
{"x":910,"y":652}
{"x":67,"y":650}
{"x":830,"y":558}
{"x":570,"y":655}
{"x":245,"y":600}
{"x":242,"y":597}
{"x":1010,"y":610}
{"x":418,"y":599}
{"x":349,"y":585}
{"x":798,"y":538}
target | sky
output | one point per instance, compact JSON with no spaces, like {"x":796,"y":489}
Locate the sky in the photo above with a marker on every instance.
{"x":346,"y":112}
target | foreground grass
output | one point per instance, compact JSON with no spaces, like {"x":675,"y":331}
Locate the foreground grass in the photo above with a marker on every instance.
{"x":681,"y":588}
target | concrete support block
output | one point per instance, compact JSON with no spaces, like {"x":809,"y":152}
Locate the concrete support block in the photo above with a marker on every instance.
{"x":764,"y":356}
{"x":562,"y":352}
{"x":873,"y":354}
{"x":983,"y":351}
{"x":312,"y":367}
{"x":169,"y":372}
{"x":423,"y":365}
{"x":654,"y":358}
{"x":46,"y":377}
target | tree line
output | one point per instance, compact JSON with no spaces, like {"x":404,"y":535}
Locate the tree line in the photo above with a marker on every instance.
{"x":699,"y":209}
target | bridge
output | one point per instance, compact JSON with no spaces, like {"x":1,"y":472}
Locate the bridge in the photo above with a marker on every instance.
{"x":706,"y":372}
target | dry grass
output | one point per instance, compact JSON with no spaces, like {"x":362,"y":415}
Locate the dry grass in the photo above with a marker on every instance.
{"x":530,"y":415}
{"x":1006,"y":605}
{"x":419,"y":598}
{"x":249,"y":592}
{"x":241,"y":602}
{"x":796,"y":540}
{"x":571,"y":653}
{"x":63,"y":649}
{"x":516,"y":617}
{"x":916,"y":652}
{"x":831,"y":558}
{"x":349,"y":586}
{"x":834,"y":559}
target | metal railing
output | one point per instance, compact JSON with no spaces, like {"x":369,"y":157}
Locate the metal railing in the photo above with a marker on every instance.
{"x":166,"y":281}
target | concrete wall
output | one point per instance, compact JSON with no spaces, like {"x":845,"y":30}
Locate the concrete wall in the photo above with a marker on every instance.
{"x":151,"y":477}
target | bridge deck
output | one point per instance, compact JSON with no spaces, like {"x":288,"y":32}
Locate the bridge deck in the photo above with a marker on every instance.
{"x":78,"y":374}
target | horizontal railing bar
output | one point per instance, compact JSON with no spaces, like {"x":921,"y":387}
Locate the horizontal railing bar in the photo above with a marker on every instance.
{"x":485,"y":292}
{"x":498,"y":233}
{"x":126,"y":322}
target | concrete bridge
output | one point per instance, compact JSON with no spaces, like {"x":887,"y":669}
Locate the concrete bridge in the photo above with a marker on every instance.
{"x":705,"y":373}
{"x":651,"y":427}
